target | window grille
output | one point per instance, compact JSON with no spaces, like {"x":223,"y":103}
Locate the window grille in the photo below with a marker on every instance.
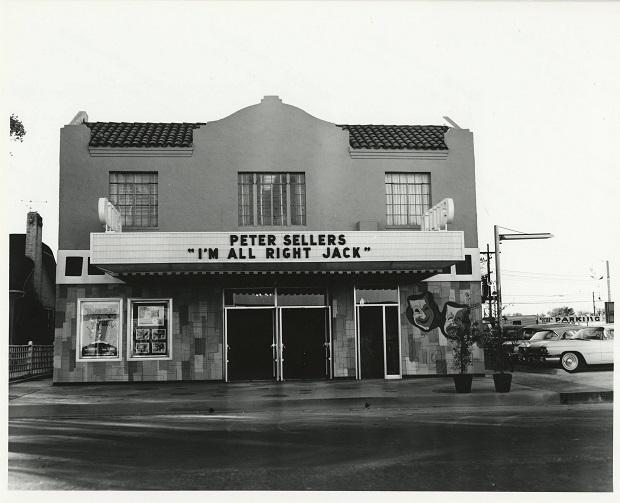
{"x":135,"y":194}
{"x":272,"y":199}
{"x":408,"y":196}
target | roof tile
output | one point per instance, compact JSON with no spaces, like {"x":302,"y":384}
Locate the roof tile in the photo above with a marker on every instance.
{"x":371,"y":136}
{"x":142,"y":134}
{"x":180,"y":134}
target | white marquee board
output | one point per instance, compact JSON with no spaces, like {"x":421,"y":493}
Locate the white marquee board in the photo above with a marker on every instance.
{"x":269,"y":247}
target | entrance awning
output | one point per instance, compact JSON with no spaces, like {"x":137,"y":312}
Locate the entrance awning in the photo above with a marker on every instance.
{"x":329,"y":252}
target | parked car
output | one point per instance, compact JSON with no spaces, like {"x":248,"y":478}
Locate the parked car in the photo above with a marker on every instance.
{"x":588,"y":346}
{"x":542,"y":336}
{"x":510,"y":347}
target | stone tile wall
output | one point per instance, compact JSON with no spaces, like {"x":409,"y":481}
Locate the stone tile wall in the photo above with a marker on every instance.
{"x":429,"y":353}
{"x":197,"y":329}
{"x":343,"y":331}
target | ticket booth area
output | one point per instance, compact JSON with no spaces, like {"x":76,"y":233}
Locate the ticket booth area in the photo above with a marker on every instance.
{"x":378,"y":333}
{"x":277,"y":334}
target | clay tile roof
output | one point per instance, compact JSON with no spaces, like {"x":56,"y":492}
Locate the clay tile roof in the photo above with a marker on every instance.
{"x":382,"y":137}
{"x":180,"y":134}
{"x":142,"y":134}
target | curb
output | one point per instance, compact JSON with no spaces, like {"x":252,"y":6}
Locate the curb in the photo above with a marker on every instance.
{"x":586,"y":397}
{"x":37,"y":377}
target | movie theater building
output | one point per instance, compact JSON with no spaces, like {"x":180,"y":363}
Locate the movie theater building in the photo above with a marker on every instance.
{"x":267,"y":245}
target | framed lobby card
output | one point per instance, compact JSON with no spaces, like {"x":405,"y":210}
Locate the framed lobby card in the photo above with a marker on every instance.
{"x":150,"y":315}
{"x":143,"y":334}
{"x":143,"y":348}
{"x":159,"y":348}
{"x":158,"y":334}
{"x":149,"y":329}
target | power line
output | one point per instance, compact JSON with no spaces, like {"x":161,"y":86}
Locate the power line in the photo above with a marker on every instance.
{"x":552,"y":302}
{"x":546,"y":278}
{"x":538,"y":294}
{"x":535,"y":273}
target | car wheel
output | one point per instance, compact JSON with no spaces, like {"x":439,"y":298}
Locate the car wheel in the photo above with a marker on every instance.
{"x":571,"y":362}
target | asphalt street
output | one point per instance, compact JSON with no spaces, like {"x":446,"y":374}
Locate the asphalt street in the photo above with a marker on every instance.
{"x":359,"y":438}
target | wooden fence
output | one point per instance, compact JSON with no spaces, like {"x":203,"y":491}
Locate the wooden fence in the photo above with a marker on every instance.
{"x":30,"y":360}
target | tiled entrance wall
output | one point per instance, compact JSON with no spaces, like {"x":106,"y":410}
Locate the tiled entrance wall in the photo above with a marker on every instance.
{"x":343,"y":331}
{"x":196,"y":330}
{"x":430,"y":353}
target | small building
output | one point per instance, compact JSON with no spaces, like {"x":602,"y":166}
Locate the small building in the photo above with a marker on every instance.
{"x":267,"y":245}
{"x":32,"y":286}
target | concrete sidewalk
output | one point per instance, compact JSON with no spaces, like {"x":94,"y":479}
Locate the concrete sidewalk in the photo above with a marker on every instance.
{"x":41,"y":399}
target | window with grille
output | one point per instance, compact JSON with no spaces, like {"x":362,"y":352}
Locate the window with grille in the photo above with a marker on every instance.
{"x":272,"y":199}
{"x":408,"y":196}
{"x":135,"y":195}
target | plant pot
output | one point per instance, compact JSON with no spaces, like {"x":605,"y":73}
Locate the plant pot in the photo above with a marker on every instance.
{"x":462,"y":382}
{"x":502,"y":382}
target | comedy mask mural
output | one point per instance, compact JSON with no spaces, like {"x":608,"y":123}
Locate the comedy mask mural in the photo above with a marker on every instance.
{"x":453,"y":318}
{"x":442,"y":327}
{"x":423,"y":312}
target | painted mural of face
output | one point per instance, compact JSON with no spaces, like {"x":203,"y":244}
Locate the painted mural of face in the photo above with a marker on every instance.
{"x":422,"y":311}
{"x":455,"y":316}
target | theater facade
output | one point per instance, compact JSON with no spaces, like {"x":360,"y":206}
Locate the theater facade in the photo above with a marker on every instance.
{"x":267,"y":245}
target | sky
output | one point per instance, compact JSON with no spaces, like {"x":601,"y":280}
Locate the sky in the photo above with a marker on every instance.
{"x":537,"y":83}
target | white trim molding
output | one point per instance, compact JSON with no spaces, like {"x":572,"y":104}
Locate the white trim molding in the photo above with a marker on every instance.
{"x":367,"y":153}
{"x":141,"y":152}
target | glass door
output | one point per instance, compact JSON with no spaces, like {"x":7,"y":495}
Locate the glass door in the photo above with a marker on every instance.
{"x":250,"y":344}
{"x":370,"y":330}
{"x":391,"y":342}
{"x":378,"y":333}
{"x":278,"y":333}
{"x":304,"y":343}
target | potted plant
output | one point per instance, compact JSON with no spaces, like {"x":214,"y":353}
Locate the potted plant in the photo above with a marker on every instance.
{"x":459,"y":330}
{"x":501,"y":379}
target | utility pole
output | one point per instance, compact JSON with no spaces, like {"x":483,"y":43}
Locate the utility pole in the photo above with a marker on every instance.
{"x":498,"y":281}
{"x":490,"y":297}
{"x":608,"y":282}
{"x":593,"y":305}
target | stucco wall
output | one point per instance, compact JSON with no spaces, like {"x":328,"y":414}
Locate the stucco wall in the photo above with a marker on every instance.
{"x":199,"y":193}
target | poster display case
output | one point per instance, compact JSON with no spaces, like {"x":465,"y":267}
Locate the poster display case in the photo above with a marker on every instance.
{"x":99,"y":329}
{"x":149,"y":329}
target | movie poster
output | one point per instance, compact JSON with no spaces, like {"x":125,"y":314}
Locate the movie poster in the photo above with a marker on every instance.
{"x":99,"y":329}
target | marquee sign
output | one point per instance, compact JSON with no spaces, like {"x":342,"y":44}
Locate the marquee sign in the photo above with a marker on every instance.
{"x":264,"y":247}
